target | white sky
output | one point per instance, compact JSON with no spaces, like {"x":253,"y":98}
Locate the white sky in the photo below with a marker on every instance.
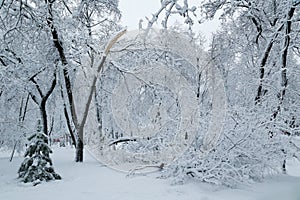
{"x":134,"y":10}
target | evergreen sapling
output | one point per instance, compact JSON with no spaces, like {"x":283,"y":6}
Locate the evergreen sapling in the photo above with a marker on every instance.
{"x":37,"y":165}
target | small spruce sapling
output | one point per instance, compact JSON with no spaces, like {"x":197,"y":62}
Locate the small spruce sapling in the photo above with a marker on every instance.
{"x":37,"y":165}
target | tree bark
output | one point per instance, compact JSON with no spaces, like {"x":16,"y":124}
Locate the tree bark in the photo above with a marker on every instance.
{"x":79,"y":150}
{"x":44,"y":120}
{"x":69,"y":126}
{"x":68,"y":121}
{"x":98,"y":113}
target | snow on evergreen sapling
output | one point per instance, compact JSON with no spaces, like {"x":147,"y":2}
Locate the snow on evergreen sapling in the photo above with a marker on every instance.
{"x":37,"y":165}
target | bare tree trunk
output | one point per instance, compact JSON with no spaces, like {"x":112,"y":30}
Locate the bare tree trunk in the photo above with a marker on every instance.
{"x":43,"y":105}
{"x":51,"y":129}
{"x":263,"y":62}
{"x":68,"y":121}
{"x":79,"y":150}
{"x":98,"y":113}
{"x":69,"y":126}
{"x":44,"y":120}
{"x":284,"y":56}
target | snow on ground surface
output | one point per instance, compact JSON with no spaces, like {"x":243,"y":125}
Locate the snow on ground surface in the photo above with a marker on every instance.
{"x":91,"y":180}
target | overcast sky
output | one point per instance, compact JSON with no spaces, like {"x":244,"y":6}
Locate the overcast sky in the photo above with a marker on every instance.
{"x":134,"y":10}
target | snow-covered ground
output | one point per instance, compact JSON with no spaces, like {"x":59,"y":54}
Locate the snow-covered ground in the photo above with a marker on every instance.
{"x":91,"y":180}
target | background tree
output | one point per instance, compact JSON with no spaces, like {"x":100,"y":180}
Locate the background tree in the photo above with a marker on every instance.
{"x":256,"y":51}
{"x":38,"y":36}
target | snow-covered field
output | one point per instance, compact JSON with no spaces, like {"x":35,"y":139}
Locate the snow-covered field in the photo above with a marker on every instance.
{"x":91,"y":180}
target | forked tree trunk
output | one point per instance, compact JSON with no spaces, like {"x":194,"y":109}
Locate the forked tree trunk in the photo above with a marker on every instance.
{"x":43,"y":101}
